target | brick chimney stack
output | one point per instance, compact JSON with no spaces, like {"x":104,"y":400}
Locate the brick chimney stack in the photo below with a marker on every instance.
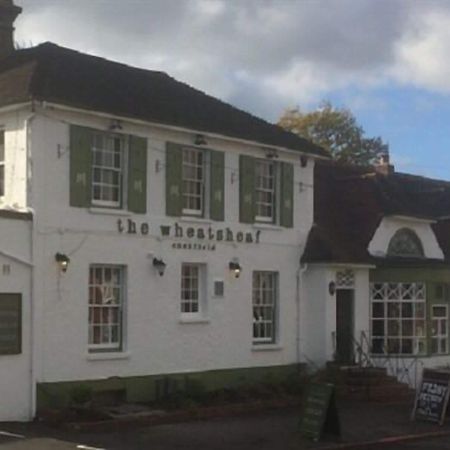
{"x":383,"y":165}
{"x":8,"y":14}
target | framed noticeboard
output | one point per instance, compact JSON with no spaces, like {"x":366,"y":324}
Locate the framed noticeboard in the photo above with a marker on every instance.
{"x":319,"y":411}
{"x":10,"y":324}
{"x":432,"y":396}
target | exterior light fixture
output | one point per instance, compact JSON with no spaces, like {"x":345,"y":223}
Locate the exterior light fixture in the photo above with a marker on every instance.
{"x":159,"y":265}
{"x":332,"y":288}
{"x":271,"y":153}
{"x":200,"y":139}
{"x":115,"y":124}
{"x":235,"y":268}
{"x":63,"y":261}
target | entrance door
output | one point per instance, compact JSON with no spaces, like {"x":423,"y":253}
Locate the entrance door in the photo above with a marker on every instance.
{"x":344,"y":325}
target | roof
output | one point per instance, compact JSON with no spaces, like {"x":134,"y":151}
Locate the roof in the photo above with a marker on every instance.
{"x":59,"y":75}
{"x":351,"y":201}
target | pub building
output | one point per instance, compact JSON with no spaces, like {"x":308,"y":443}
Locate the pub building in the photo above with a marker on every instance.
{"x":159,"y":233}
{"x":164,"y":235}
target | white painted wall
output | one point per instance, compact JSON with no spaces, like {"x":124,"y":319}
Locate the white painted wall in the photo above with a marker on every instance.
{"x":319,"y":311}
{"x":15,"y":376}
{"x":156,"y":340}
{"x":390,"y":225}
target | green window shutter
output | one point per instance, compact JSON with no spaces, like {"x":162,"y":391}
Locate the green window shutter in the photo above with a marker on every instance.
{"x":287,"y":195}
{"x":10,"y":324}
{"x":137,"y":175}
{"x":246,"y":189}
{"x":174,"y":181}
{"x":80,"y":166}
{"x":217,"y":190}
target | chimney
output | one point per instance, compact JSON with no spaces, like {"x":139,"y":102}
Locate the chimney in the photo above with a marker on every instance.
{"x":8,"y":14}
{"x":383,"y":165}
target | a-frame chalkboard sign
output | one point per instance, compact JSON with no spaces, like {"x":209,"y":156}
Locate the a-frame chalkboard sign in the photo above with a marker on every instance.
{"x":320,"y":412}
{"x":432,"y":396}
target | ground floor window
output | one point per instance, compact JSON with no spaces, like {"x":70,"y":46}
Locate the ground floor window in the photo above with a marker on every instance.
{"x":439,"y":333}
{"x":398,"y":318}
{"x":192,"y":288}
{"x":106,"y":303}
{"x":265,"y":301}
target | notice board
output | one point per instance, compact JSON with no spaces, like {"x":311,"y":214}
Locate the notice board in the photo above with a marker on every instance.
{"x":319,"y":412}
{"x":432,"y":396}
{"x":10,"y":324}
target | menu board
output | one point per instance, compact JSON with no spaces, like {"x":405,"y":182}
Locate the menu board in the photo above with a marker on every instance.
{"x":432,"y":396}
{"x":319,"y":412}
{"x":10,"y":324}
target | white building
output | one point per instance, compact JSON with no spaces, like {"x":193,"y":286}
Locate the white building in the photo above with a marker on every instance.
{"x":162,"y":236}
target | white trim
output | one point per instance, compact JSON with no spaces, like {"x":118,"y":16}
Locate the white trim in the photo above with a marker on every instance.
{"x":9,"y":108}
{"x":109,"y":211}
{"x":260,"y":145}
{"x":105,"y":356}
{"x":266,"y":347}
{"x":342,"y":265}
{"x":195,"y":319}
{"x":410,"y":218}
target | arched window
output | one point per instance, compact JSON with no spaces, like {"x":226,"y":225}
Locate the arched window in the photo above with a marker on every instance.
{"x":406,"y":243}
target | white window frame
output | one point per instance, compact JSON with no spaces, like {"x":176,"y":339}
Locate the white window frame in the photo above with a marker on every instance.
{"x":437,"y":335}
{"x":265,"y":304}
{"x":193,"y":294}
{"x":263,"y":180}
{"x":108,"y":150}
{"x":100,"y":306}
{"x":202,"y":182}
{"x":2,"y":161}
{"x":389,"y":305}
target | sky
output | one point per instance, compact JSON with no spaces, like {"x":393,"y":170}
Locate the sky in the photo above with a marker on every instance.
{"x":386,"y":60}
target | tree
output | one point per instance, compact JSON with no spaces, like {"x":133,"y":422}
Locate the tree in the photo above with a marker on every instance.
{"x":337,"y":131}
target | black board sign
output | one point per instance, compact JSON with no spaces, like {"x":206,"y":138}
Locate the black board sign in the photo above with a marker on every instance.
{"x":320,"y":412}
{"x":432,"y":396}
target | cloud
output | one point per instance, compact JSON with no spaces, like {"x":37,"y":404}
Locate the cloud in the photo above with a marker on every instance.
{"x":263,"y":55}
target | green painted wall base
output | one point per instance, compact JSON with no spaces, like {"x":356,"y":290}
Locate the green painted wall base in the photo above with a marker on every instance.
{"x":152,"y":387}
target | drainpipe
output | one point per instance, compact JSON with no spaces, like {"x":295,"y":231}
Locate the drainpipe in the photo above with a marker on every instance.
{"x":302,"y":268}
{"x":32,"y":349}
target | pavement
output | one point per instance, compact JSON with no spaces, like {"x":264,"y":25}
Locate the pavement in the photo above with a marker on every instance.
{"x":363,"y":425}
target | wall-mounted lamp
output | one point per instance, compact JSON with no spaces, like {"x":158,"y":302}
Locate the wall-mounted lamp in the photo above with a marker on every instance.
{"x":200,"y":139}
{"x":235,"y":268}
{"x":115,"y":125}
{"x":303,"y":161}
{"x":159,"y":265}
{"x":332,"y":288}
{"x":63,"y":261}
{"x":271,"y":153}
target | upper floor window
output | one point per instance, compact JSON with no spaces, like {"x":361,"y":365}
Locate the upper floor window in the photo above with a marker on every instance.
{"x":405,"y":243}
{"x":266,"y":191}
{"x":265,"y":182}
{"x":107,"y":170}
{"x":2,"y":163}
{"x":195,"y":182}
{"x":108,"y":160}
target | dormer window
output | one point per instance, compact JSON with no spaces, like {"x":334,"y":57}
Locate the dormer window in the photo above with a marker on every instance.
{"x":405,"y":243}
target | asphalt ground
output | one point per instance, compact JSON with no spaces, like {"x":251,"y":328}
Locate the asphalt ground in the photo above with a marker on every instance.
{"x":363,"y":425}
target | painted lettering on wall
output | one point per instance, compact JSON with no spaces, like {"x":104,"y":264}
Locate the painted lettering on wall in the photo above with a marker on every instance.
{"x":129,"y":226}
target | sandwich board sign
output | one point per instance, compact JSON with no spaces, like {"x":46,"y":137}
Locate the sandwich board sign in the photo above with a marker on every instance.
{"x":432,"y":396}
{"x":319,"y":412}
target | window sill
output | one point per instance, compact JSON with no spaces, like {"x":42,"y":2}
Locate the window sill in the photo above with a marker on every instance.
{"x":109,"y":211}
{"x":268,"y":226}
{"x":107,"y":356}
{"x":194,"y":320}
{"x":193,"y":219}
{"x":266,"y":347}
